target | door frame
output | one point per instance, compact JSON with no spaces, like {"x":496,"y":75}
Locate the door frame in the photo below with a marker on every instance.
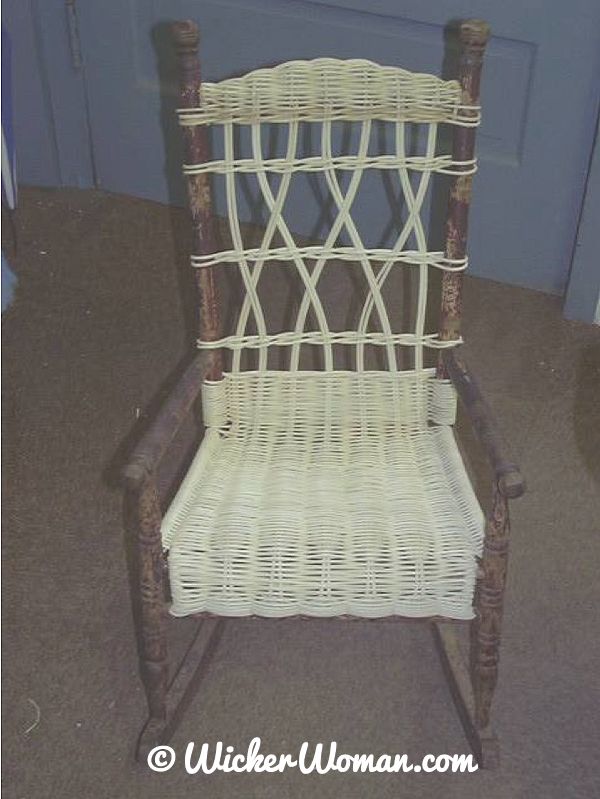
{"x":582,"y":295}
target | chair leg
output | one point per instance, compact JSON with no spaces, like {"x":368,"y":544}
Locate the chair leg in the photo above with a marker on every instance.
{"x":175,"y":698}
{"x":153,"y":644}
{"x":473,"y":687}
{"x":482,"y":741}
{"x":489,"y":598}
{"x":166,"y":701}
{"x":485,"y":650}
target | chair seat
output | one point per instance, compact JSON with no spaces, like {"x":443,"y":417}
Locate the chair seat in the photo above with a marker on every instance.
{"x":280,"y":522}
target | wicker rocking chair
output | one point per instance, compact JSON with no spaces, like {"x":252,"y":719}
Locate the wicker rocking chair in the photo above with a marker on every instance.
{"x":336,"y":491}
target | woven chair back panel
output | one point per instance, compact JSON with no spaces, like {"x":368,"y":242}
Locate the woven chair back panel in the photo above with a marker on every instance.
{"x":343,"y":292}
{"x":359,"y":135}
{"x":334,"y":405}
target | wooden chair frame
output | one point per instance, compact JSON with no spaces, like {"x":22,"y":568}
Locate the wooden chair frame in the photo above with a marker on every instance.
{"x":472,"y":682}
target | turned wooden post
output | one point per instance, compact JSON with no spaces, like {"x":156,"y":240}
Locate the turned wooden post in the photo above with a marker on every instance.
{"x":150,"y":564}
{"x":485,"y":631}
{"x":486,"y":627}
{"x":187,"y":38}
{"x":473,"y":37}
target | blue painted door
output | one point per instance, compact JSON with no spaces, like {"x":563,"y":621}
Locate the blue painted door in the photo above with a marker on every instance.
{"x":539,"y":94}
{"x":50,"y":120}
{"x":582,"y":300}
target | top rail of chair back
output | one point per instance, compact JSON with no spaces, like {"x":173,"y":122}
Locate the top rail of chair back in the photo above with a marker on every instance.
{"x":331,"y":89}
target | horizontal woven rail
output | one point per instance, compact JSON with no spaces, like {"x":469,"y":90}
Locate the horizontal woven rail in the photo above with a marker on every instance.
{"x":317,"y":252}
{"x":331,"y":89}
{"x":329,"y":401}
{"x":442,"y":164}
{"x":319,"y":338}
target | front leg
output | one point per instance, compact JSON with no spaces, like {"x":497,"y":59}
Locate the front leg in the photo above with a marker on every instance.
{"x":153,"y":643}
{"x":489,"y":598}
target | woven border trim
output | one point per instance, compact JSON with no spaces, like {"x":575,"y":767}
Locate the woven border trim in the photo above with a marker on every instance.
{"x":442,"y":164}
{"x":318,"y":338}
{"x":331,"y":89}
{"x":406,"y":399}
{"x":317,"y":252}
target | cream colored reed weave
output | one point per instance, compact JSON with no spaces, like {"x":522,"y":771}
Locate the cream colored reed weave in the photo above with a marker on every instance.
{"x":324,"y":91}
{"x":334,"y":492}
{"x":330,"y":88}
{"x":325,"y":494}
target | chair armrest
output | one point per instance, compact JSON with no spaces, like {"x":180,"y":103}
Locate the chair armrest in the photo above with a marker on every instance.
{"x":154,"y":443}
{"x":508,"y":474}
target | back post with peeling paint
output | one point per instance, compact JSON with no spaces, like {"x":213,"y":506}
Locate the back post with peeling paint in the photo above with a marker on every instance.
{"x":187,"y":38}
{"x":474,"y":35}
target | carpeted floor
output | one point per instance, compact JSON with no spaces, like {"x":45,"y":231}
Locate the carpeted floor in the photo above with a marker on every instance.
{"x":101,"y":320}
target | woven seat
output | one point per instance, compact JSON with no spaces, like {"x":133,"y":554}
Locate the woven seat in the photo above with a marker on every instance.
{"x":284,"y":511}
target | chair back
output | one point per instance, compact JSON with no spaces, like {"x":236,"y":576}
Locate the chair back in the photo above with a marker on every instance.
{"x":337,"y":125}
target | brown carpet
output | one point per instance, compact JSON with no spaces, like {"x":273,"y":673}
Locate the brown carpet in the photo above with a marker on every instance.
{"x":101,"y":320}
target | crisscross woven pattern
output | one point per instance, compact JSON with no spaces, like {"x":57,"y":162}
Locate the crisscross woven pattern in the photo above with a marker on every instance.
{"x":324,"y":91}
{"x":327,"y":492}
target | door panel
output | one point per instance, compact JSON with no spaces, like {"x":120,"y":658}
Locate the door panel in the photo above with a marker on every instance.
{"x":539,"y":96}
{"x":582,"y":300}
